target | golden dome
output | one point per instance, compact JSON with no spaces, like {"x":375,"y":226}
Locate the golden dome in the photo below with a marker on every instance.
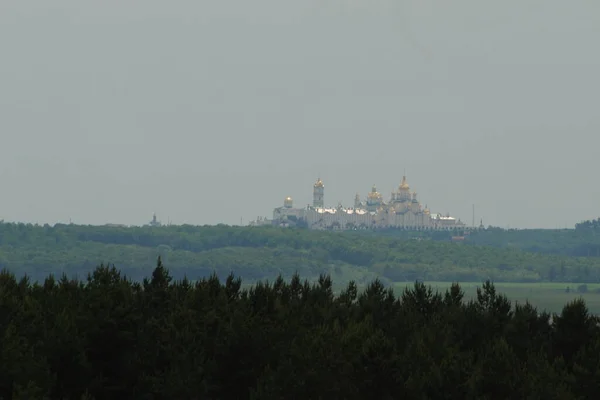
{"x":374,"y":194}
{"x":404,"y":184}
{"x":319,"y":183}
{"x":288,"y":198}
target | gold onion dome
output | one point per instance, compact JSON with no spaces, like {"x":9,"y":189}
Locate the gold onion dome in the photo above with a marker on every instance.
{"x":288,"y":198}
{"x":319,"y":183}
{"x":404,"y":184}
{"x":374,"y":194}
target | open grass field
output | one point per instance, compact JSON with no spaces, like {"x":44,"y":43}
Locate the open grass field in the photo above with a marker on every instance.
{"x":551,"y":296}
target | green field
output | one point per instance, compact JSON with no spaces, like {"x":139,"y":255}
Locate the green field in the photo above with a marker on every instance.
{"x":551,"y":296}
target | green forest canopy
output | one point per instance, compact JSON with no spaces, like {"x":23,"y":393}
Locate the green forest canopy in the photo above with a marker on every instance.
{"x":106,"y":337}
{"x":258,"y":253}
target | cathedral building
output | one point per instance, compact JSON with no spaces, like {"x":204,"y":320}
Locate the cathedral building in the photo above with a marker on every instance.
{"x":403,"y":210}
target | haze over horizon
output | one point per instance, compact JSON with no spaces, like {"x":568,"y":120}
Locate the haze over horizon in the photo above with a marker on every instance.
{"x":211,"y":111}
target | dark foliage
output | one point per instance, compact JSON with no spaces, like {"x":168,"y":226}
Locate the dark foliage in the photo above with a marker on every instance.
{"x":109,"y":338}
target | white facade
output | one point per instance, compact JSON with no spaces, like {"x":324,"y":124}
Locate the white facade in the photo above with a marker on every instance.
{"x":403,"y":210}
{"x":261,"y":221}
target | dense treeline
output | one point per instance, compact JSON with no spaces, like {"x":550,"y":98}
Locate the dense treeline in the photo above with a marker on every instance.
{"x":589,"y":225}
{"x":263,"y":253}
{"x":584,"y":241}
{"x":109,"y":338}
{"x":568,"y":242}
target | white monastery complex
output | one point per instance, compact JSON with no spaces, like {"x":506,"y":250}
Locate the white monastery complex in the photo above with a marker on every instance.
{"x":403,"y":211}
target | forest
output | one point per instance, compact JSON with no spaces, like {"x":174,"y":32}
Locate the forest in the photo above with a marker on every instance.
{"x":584,"y":241}
{"x":259,"y":253}
{"x":107,"y":337}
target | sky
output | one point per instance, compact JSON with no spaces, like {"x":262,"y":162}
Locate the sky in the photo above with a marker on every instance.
{"x":212,"y":112}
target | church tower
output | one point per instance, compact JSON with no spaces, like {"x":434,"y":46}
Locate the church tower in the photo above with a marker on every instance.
{"x":318,"y":194}
{"x":374,"y":200}
{"x":357,"y":202}
{"x":404,"y":191}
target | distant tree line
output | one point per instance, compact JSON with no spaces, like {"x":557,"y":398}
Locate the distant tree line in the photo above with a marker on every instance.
{"x":589,"y":225}
{"x":107,"y":337}
{"x":584,"y":241}
{"x":259,"y":253}
{"x":568,"y":242}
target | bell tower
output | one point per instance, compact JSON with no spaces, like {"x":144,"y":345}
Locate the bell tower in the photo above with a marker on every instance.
{"x":318,"y":194}
{"x":357,"y":202}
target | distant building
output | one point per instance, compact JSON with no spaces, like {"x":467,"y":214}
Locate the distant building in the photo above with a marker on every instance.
{"x":154,"y":221}
{"x":403,"y":210}
{"x":261,"y":221}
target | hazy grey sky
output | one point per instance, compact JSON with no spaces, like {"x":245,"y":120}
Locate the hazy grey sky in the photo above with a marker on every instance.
{"x":209,"y":111}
